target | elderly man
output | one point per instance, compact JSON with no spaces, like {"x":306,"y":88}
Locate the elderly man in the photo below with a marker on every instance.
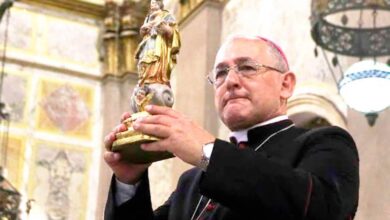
{"x":272,"y":170}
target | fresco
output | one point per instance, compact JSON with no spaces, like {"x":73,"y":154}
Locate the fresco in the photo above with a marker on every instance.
{"x":82,"y":37}
{"x":65,"y":108}
{"x":15,"y":158}
{"x":52,"y":101}
{"x":58,"y":182}
{"x":14,"y":95}
{"x":20,"y":27}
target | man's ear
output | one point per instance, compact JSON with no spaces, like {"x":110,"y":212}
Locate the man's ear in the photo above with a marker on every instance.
{"x":288,"y":85}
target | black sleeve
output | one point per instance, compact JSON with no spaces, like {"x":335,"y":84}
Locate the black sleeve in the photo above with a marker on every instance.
{"x":321,"y":184}
{"x":138,"y":207}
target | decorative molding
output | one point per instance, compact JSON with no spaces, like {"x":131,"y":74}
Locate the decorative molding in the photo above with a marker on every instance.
{"x":192,"y":10}
{"x":52,"y":68}
{"x":319,"y":106}
{"x":121,"y":38}
{"x":130,"y":76}
{"x":320,"y":99}
{"x":74,"y":6}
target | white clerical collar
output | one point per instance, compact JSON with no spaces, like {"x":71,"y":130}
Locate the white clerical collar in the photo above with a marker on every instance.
{"x":242,"y":135}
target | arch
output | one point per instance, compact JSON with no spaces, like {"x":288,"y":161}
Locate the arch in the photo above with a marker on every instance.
{"x":317,"y":102}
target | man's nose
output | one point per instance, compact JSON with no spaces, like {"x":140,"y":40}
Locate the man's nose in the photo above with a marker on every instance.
{"x":232,"y":78}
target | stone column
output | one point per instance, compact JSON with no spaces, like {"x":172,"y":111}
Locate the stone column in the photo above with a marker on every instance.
{"x":119,"y":79}
{"x":129,"y":43}
{"x":200,"y":34}
{"x":129,"y":37}
{"x":115,"y":100}
{"x":110,"y":39}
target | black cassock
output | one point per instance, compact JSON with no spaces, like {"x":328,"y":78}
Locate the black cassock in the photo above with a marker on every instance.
{"x":296,"y":174}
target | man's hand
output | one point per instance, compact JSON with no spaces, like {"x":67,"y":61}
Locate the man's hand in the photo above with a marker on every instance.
{"x":124,"y":171}
{"x":179,"y":135}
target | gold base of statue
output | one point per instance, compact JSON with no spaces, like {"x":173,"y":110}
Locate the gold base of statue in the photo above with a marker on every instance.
{"x":128,"y":144}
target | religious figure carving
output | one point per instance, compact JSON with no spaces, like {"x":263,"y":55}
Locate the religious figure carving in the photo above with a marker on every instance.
{"x":156,"y":57}
{"x":60,"y":170}
{"x":156,"y":53}
{"x":142,"y":98}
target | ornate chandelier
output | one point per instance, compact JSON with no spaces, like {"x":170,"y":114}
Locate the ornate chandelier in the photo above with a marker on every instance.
{"x":9,"y":200}
{"x":358,"y":29}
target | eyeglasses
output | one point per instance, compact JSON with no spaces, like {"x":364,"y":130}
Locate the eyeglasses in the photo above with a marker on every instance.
{"x":246,"y":69}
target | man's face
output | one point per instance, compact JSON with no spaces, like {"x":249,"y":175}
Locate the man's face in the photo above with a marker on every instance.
{"x":243,"y":102}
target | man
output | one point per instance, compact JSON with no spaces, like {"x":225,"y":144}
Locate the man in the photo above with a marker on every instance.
{"x":283,"y":173}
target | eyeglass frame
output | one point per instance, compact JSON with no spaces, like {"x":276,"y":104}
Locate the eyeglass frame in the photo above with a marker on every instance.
{"x":235,"y":68}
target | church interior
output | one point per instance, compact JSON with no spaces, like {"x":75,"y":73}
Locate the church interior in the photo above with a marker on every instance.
{"x":68,"y":71}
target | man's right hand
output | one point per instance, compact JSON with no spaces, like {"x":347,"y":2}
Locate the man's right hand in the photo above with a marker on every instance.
{"x":125,"y":172}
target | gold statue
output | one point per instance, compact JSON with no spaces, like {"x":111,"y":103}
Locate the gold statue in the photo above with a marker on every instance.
{"x":156,"y":56}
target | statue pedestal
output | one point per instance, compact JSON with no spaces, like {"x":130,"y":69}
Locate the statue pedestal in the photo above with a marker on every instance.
{"x":128,"y":144}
